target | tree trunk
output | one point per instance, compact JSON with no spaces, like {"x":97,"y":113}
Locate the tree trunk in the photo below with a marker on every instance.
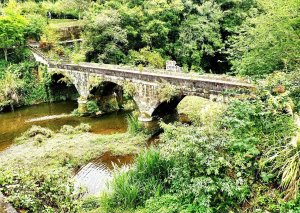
{"x":5,"y":54}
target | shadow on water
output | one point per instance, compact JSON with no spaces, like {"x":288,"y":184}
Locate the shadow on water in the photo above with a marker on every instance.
{"x":13,"y":124}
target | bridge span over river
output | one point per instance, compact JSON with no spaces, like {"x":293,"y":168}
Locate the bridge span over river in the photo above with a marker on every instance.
{"x":147,"y":85}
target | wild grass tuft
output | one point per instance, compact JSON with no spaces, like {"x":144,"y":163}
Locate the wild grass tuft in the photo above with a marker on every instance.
{"x":37,"y":130}
{"x":69,"y":130}
{"x":145,"y":179}
{"x":134,"y":126}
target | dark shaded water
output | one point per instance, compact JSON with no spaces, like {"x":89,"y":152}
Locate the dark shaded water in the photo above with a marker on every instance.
{"x":13,"y":124}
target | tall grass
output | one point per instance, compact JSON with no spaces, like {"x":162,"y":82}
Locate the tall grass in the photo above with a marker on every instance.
{"x":134,"y":126}
{"x":145,"y":179}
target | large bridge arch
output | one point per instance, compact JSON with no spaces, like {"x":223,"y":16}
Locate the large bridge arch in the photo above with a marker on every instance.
{"x":62,"y":87}
{"x":167,"y":107}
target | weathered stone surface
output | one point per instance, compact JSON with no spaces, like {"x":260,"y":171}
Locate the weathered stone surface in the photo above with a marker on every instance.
{"x":146,"y":83}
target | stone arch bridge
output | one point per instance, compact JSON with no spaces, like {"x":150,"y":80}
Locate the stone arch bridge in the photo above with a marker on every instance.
{"x":147,"y":85}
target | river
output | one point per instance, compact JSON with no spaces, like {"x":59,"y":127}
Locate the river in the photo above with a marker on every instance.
{"x":13,"y":124}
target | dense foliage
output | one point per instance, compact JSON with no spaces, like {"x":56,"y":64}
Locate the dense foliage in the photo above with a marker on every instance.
{"x":35,"y":191}
{"x":268,"y":40}
{"x":242,"y":156}
{"x":246,"y":159}
{"x":149,"y":32}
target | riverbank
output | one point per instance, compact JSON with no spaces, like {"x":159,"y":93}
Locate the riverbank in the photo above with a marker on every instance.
{"x":48,"y":159}
{"x":76,"y":149}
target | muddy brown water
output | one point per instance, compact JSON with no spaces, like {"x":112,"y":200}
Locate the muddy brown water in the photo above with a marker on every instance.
{"x":13,"y":124}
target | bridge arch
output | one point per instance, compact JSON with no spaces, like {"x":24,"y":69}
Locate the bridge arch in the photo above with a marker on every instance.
{"x":107,"y":94}
{"x":167,"y":107}
{"x":62,"y":87}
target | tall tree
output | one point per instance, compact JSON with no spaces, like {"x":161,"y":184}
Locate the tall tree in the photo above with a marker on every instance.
{"x":12,"y":28}
{"x":200,"y":36}
{"x":269,"y":40}
{"x":105,"y":38}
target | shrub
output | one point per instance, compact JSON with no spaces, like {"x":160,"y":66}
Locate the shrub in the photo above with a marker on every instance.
{"x":167,"y":91}
{"x":37,"y":130}
{"x":286,"y":161}
{"x":83,"y":128}
{"x":67,"y":129}
{"x":129,"y":90}
{"x":90,"y":203}
{"x":38,"y":139}
{"x":162,"y":204}
{"x":92,"y":107}
{"x":34,"y":191}
{"x":201,"y":112}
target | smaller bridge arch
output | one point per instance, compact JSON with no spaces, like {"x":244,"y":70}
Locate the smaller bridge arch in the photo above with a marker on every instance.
{"x":107,"y":94}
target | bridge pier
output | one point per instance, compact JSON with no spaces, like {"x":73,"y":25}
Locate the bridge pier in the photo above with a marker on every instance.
{"x":143,"y":117}
{"x":82,"y":105}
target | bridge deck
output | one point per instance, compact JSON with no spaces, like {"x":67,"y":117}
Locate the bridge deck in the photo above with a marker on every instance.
{"x":155,"y":74}
{"x":101,"y":69}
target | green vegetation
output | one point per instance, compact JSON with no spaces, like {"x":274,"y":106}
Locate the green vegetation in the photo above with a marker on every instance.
{"x":134,"y":125}
{"x":167,"y":91}
{"x":201,"y":111}
{"x":23,"y":84}
{"x":268,"y":40}
{"x":241,"y":155}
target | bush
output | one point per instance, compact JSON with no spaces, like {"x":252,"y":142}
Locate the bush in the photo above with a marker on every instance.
{"x":201,"y":112}
{"x":167,"y":91}
{"x":90,"y":203}
{"x":162,"y":204}
{"x":68,"y":129}
{"x":38,"y":139}
{"x":37,"y":130}
{"x":34,"y":191}
{"x":92,"y":107}
{"x":83,"y":128}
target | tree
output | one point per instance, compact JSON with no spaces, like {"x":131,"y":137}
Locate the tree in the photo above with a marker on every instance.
{"x":269,"y":40}
{"x":105,"y":38}
{"x":12,"y":28}
{"x":199,"y":36}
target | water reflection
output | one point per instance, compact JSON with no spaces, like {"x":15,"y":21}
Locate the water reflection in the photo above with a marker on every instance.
{"x":95,"y":175}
